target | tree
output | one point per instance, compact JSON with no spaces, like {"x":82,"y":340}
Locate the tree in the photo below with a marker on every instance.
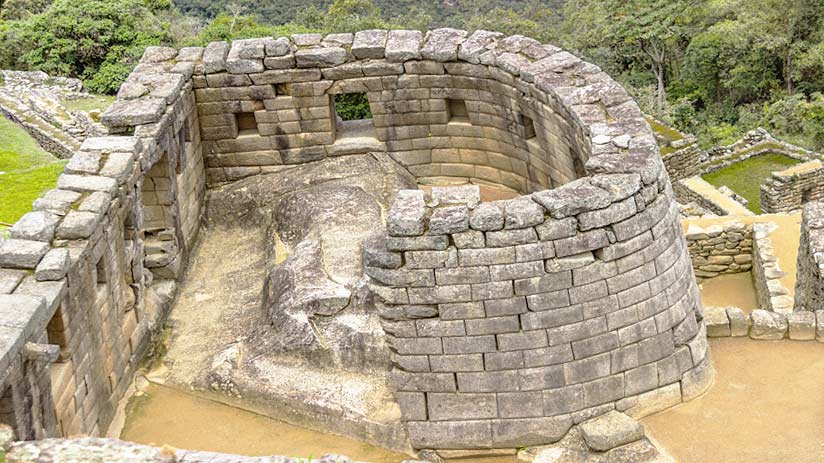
{"x":648,"y":31}
{"x":79,"y":37}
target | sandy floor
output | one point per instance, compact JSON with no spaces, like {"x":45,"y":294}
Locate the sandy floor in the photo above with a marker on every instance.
{"x":736,"y":290}
{"x":766,"y":406}
{"x":167,"y":416}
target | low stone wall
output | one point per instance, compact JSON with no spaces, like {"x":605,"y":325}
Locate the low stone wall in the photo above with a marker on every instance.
{"x":789,"y":189}
{"x":771,"y":293}
{"x":49,"y":138}
{"x":696,"y":189}
{"x":683,"y":162}
{"x":809,"y":287}
{"x":720,"y":249}
{"x":755,"y":143}
{"x":764,"y":325}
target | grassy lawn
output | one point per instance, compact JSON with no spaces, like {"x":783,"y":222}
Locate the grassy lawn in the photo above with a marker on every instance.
{"x":100,"y":102}
{"x":746,"y":177}
{"x":26,"y":171}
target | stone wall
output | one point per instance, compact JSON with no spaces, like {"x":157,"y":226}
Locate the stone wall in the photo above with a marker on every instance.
{"x":509,"y":321}
{"x":720,"y":249}
{"x":683,"y":162}
{"x":78,"y":302}
{"x":789,"y":189}
{"x":770,"y":291}
{"x":512,"y":320}
{"x":697,"y":190}
{"x":438,"y":115}
{"x":809,"y":287}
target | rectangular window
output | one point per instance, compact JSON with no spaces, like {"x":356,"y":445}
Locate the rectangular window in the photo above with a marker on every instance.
{"x":457,"y":110}
{"x":529,"y":127}
{"x":352,"y":106}
{"x":246,"y":123}
{"x":100,"y":271}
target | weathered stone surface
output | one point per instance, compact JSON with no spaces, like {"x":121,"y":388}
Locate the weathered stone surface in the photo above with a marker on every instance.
{"x":369,"y":44}
{"x":297,"y":290}
{"x":320,"y":57}
{"x":801,"y":326}
{"x":468,"y":195}
{"x":54,"y":266}
{"x":611,"y":430}
{"x":403,"y":45}
{"x":522,"y":212}
{"x":476,"y":44}
{"x":768,"y":325}
{"x":447,"y":220}
{"x":739,"y":322}
{"x":36,"y":226}
{"x":487,"y":217}
{"x":572,"y":199}
{"x":127,"y":113}
{"x":77,"y":225}
{"x":407,"y":214}
{"x":214,"y":57}
{"x":277,"y":47}
{"x":442,"y":44}
{"x":24,"y":254}
{"x":718,"y":324}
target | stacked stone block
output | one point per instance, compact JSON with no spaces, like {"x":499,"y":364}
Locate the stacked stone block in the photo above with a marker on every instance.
{"x":513,"y":134}
{"x":789,"y":189}
{"x":73,"y":275}
{"x":809,"y":287}
{"x":720,"y":249}
{"x":512,"y":320}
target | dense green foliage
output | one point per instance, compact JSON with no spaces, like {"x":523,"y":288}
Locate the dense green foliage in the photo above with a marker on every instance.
{"x":352,"y":106}
{"x":96,"y":40}
{"x":715,"y":68}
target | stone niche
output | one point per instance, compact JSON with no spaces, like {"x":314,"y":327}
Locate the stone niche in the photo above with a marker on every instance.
{"x":507,"y":321}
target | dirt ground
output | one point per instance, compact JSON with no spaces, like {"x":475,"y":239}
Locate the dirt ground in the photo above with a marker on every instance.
{"x":735,"y":290}
{"x":766,"y":406}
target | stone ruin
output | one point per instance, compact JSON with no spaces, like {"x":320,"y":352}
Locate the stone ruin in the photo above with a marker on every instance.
{"x":497,"y":324}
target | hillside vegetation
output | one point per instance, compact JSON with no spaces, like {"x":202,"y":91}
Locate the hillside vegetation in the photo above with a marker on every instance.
{"x":715,"y":68}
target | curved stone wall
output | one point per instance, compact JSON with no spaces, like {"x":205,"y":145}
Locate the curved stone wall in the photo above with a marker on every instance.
{"x":509,"y":321}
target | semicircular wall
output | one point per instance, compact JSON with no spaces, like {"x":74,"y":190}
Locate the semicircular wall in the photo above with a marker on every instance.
{"x":508,"y":321}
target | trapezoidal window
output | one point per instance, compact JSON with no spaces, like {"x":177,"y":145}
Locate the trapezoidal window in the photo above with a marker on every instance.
{"x":353,"y":116}
{"x":529,"y":127}
{"x":457,"y":110}
{"x":246,"y":124}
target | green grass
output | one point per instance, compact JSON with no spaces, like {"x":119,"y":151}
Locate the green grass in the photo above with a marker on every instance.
{"x":667,"y":132}
{"x":28,"y":171}
{"x":746,"y":177}
{"x":100,"y":102}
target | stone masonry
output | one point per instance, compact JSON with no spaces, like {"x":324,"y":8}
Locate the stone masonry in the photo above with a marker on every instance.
{"x":508,"y":321}
{"x":809,"y":286}
{"x":720,"y":248}
{"x":790,"y":189}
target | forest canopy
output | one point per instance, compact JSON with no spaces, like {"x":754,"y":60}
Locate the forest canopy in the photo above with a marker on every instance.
{"x":716,"y":68}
